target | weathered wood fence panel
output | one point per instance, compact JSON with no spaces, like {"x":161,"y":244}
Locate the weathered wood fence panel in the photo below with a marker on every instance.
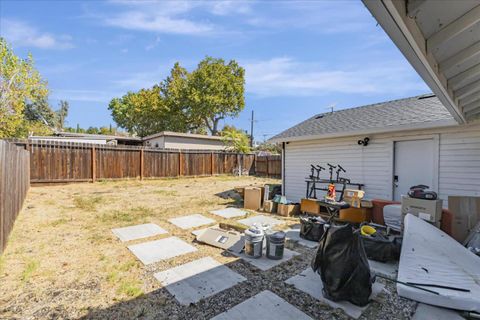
{"x":14,"y":183}
{"x":269,"y":166}
{"x":75,"y":162}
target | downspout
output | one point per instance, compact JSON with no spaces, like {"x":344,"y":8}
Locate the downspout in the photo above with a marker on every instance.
{"x":283,"y":168}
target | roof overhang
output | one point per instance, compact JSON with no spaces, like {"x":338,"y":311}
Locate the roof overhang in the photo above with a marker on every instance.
{"x":441,"y":40}
{"x":379,"y":130}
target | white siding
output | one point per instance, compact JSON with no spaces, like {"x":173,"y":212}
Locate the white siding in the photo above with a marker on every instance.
{"x":459,"y":161}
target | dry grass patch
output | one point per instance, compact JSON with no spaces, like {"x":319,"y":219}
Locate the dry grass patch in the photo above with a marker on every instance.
{"x":63,"y":260}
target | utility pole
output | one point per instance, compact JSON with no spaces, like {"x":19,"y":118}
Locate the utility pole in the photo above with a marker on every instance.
{"x":251,"y":131}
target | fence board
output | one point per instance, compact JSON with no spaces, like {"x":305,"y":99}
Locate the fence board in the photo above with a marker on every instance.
{"x":269,"y":166}
{"x":75,"y":162}
{"x":14,"y":183}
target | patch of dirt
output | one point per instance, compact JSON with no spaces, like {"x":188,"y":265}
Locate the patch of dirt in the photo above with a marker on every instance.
{"x":63,"y":261}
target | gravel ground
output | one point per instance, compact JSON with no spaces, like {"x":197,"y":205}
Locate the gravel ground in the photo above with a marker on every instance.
{"x":76,"y":279}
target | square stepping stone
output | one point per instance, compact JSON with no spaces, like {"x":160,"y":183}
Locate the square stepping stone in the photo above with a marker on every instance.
{"x":138,"y":232}
{"x":266,"y":306}
{"x":199,"y":279}
{"x":191,"y":221}
{"x":260,"y":219}
{"x":428,"y":312}
{"x":264,"y":263}
{"x":309,"y":282}
{"x":293,"y":234}
{"x":153,"y":251}
{"x":387,"y":269}
{"x":229,"y":212}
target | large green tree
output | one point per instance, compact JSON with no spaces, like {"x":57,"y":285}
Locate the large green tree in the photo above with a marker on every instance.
{"x":184,"y":102}
{"x":216,"y":91}
{"x":20,"y":83}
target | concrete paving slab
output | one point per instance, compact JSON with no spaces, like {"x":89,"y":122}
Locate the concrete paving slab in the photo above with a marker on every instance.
{"x":309,"y":282}
{"x":138,"y":232}
{"x":229,"y":212}
{"x":199,"y":279}
{"x":266,"y":306}
{"x":293,"y":234}
{"x":428,"y":312}
{"x":264,"y":263}
{"x":387,"y":269}
{"x":260,"y":219}
{"x":191,"y":221}
{"x":153,"y":251}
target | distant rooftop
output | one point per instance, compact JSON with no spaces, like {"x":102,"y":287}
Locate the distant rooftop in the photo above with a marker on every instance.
{"x":179,"y":134}
{"x":417,"y":112}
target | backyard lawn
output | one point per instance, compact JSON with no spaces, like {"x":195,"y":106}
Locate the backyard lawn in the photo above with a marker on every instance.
{"x":63,"y":261}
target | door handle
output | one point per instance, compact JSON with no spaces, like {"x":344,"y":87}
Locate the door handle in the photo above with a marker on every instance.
{"x":395,"y":180}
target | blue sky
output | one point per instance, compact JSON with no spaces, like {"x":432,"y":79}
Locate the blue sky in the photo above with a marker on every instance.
{"x":300,"y":57}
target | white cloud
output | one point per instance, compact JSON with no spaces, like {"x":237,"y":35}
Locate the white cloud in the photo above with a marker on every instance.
{"x":84,"y":95}
{"x":287,"y":77}
{"x":223,"y":8}
{"x":24,"y":35}
{"x":160,"y":17}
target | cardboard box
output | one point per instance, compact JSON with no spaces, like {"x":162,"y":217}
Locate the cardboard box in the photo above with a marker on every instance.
{"x":288,"y":210}
{"x":353,"y":197}
{"x":310,"y":206}
{"x":355,"y":215}
{"x":253,"y":198}
{"x":428,"y":210}
{"x":366,"y":203}
{"x":270,"y":206}
{"x":466,"y":214}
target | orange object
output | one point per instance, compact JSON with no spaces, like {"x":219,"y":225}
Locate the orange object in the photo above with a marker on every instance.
{"x":310,"y":206}
{"x":355,"y":215}
{"x":331,"y":192}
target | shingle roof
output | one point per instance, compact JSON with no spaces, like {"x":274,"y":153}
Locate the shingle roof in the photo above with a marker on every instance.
{"x":424,"y":110}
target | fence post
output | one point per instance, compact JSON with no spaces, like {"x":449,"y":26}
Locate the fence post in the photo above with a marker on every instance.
{"x":224,"y":162}
{"x":141,"y":164}
{"x":268,"y":173}
{"x":94,"y":164}
{"x":211,"y":163}
{"x":179,"y":163}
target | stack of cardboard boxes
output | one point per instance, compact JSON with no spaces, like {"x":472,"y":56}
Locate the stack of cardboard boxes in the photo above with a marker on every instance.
{"x":258,"y":198}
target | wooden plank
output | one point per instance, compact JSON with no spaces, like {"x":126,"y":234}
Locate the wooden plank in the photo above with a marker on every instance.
{"x":94,"y":164}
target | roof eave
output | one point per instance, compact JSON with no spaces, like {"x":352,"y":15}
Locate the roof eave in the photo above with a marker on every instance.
{"x":411,"y":43}
{"x":380,"y":130}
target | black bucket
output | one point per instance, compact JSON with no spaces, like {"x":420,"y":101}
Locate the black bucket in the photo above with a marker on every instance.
{"x":275,"y":245}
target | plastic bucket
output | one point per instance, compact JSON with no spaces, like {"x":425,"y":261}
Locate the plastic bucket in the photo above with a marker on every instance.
{"x":275,"y":245}
{"x":254,"y":242}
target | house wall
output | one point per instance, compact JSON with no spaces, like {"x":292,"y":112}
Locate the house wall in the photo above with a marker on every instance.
{"x":458,"y":162}
{"x":186,"y":143}
{"x":158,"y":142}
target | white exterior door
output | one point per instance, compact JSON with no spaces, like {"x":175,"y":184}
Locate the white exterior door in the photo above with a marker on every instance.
{"x":414,"y":165}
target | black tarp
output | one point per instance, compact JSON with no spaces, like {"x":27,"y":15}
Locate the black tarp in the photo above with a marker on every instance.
{"x":311,"y":228}
{"x":342,"y":264}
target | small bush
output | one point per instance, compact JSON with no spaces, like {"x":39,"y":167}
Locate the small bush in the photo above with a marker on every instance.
{"x":130,"y":288}
{"x":30,"y":268}
{"x":87,"y":203}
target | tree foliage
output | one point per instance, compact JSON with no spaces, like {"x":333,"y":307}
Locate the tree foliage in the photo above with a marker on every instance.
{"x":20,"y":83}
{"x":184,"y":102}
{"x":216,"y":91}
{"x":236,"y":139}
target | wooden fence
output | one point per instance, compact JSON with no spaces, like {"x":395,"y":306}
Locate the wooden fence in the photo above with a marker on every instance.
{"x":14,"y":183}
{"x":76,"y":162}
{"x":269,"y":166}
